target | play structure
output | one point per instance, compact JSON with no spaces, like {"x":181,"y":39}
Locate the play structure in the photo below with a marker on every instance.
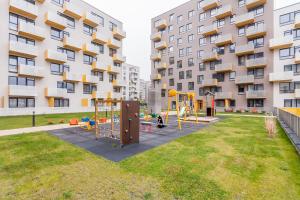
{"x":186,"y":110}
{"x":209,"y":104}
{"x":124,"y":125}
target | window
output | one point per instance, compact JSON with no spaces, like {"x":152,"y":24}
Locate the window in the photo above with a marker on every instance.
{"x":258,"y":42}
{"x":202,"y":16}
{"x":292,"y":103}
{"x":200,"y":79}
{"x":61,"y":103}
{"x":285,"y":88}
{"x":171,"y":38}
{"x":241,"y":31}
{"x":171,"y":49}
{"x":232,"y":76}
{"x":201,"y":67}
{"x":21,"y":102}
{"x":59,"y":2}
{"x":288,"y":18}
{"x":191,"y":62}
{"x":189,"y":51}
{"x":15,"y":61}
{"x":200,"y":29}
{"x":179,"y":86}
{"x":171,"y":28}
{"x":202,"y":41}
{"x":241,"y":3}
{"x":257,"y":11}
{"x":255,"y":103}
{"x":17,"y":38}
{"x":190,"y":38}
{"x":258,"y":73}
{"x":100,"y":18}
{"x":70,"y":21}
{"x":219,"y":76}
{"x":181,"y":52}
{"x":189,"y":74}
{"x":89,"y":88}
{"x":179,"y":41}
{"x":57,"y":69}
{"x":191,"y":14}
{"x":179,"y":19}
{"x":293,"y":67}
{"x":219,"y":23}
{"x":232,"y":48}
{"x":181,"y":75}
{"x":181,"y":29}
{"x":57,"y":34}
{"x":241,"y":89}
{"x":170,"y":71}
{"x":66,"y":85}
{"x":191,"y":85}
{"x":171,"y":17}
{"x":89,"y":30}
{"x":189,"y":27}
{"x":200,"y":53}
{"x":171,"y":82}
{"x":112,"y":26}
{"x":221,"y":50}
{"x":14,"y":21}
{"x":171,"y":60}
{"x":179,"y":64}
{"x":100,"y":47}
{"x":87,"y":59}
{"x":212,"y":12}
{"x":70,"y":53}
{"x":14,"y":80}
{"x":213,"y":38}
{"x":286,"y":53}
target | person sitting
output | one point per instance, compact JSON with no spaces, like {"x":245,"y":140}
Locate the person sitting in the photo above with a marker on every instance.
{"x":160,"y":122}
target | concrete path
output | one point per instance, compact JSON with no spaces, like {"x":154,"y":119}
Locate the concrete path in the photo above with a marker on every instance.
{"x":34,"y":129}
{"x":240,"y":115}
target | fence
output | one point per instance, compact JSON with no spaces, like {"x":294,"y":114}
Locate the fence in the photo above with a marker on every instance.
{"x":291,"y":119}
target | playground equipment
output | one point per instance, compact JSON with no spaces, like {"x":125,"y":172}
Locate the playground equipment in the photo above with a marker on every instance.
{"x":209,"y":104}
{"x":189,"y":106}
{"x":128,"y":132}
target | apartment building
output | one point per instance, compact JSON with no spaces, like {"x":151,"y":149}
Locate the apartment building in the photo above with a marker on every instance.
{"x":286,"y":48}
{"x":144,"y":90}
{"x":131,"y":76}
{"x":221,"y":46}
{"x":57,"y":55}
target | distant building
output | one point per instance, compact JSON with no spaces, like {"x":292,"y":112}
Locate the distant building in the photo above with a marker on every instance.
{"x":131,"y":76}
{"x":144,"y":90}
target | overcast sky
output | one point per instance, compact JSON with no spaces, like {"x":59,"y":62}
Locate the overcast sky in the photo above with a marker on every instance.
{"x":136,"y":16}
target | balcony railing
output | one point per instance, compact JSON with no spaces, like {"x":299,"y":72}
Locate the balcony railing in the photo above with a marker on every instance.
{"x":244,"y":49}
{"x":223,"y":95}
{"x":156,"y":37}
{"x":23,"y":49}
{"x":99,"y":94}
{"x":297,"y":93}
{"x":248,"y":79}
{"x":56,"y":21}
{"x":281,"y":42}
{"x":256,"y":63}
{"x":97,"y":67}
{"x":210,"y":56}
{"x":71,"y":77}
{"x":22,"y":91}
{"x":161,"y":66}
{"x":55,"y":57}
{"x":72,"y":44}
{"x":119,"y":59}
{"x":156,"y":57}
{"x":114,"y":44}
{"x":259,"y":94}
{"x":254,"y":3}
{"x":297,"y":57}
{"x":297,"y":21}
{"x":224,"y":11}
{"x":31,"y":71}
{"x":210,"y":4}
{"x":90,"y":19}
{"x":113,"y":70}
{"x":281,"y":76}
{"x":119,"y":34}
{"x":156,"y":77}
{"x":99,"y":38}
{"x":224,"y":40}
{"x":90,"y":49}
{"x":90,"y":79}
{"x":23,"y":8}
{"x":70,"y":9}
{"x":55,"y":92}
{"x":244,"y":19}
{"x":209,"y":83}
{"x":118,"y":83}
{"x":210,"y":30}
{"x":162,"y":24}
{"x":160,"y":45}
{"x":255,"y":32}
{"x":225,"y":67}
{"x":30,"y":31}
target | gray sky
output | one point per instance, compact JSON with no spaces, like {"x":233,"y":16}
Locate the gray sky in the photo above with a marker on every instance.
{"x":136,"y":16}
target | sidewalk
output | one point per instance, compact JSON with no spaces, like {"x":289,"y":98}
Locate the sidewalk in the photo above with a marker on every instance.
{"x":34,"y":129}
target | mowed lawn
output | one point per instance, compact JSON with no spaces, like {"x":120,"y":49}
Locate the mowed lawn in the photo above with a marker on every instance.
{"x":233,"y":159}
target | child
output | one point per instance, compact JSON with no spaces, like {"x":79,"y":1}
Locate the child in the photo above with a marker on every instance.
{"x":160,"y":122}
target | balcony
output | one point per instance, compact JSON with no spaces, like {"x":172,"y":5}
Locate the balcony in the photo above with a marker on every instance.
{"x":248,"y":79}
{"x":118,"y":33}
{"x":90,"y":19}
{"x":156,"y":77}
{"x":71,"y":77}
{"x":161,"y":66}
{"x":297,"y":57}
{"x":71,"y":44}
{"x":162,"y":24}
{"x":90,"y":79}
{"x":259,"y":94}
{"x":254,"y":3}
{"x":99,"y":94}
{"x":90,"y":49}
{"x":30,"y":31}
{"x":114,"y":44}
{"x":156,"y":37}
{"x":98,"y":38}
{"x":31,"y":71}
{"x":55,"y":57}
{"x":297,"y":93}
{"x":281,"y":77}
{"x":210,"y":4}
{"x":160,"y":45}
{"x":23,"y":8}
{"x":164,"y":86}
{"x":244,"y":50}
{"x":210,"y":56}
{"x":281,"y":42}
{"x":55,"y":92}
{"x":297,"y":21}
{"x":71,"y":10}
{"x":209,"y":83}
{"x":256,"y":32}
{"x":22,"y":49}
{"x":256,"y":63}
{"x":224,"y":40}
{"x":156,"y":57}
{"x":118,"y":83}
{"x":210,"y":30}
{"x":223,"y":95}
{"x":56,"y":21}
{"x":22,"y":91}
{"x":113,"y":70}
{"x":223,"y":12}
{"x":119,"y":59}
{"x":244,"y":19}
{"x":97,"y":67}
{"x":226,"y":67}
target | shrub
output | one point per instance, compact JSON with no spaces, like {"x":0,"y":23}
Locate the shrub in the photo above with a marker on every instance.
{"x":50,"y":122}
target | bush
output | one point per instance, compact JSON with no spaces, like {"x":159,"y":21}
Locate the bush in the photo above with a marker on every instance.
{"x":50,"y":122}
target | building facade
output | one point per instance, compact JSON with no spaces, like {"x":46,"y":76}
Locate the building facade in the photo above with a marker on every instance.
{"x":286,"y":48}
{"x":144,"y":90}
{"x":221,"y":46}
{"x":131,"y":77}
{"x":57,"y":56}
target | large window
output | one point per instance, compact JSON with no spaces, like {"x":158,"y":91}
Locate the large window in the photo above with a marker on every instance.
{"x":66,"y":85}
{"x":258,"y":42}
{"x":61,"y":102}
{"x":292,"y":68}
{"x":89,"y":30}
{"x":57,"y":69}
{"x":15,"y":61}
{"x":258,"y":73}
{"x":100,"y":47}
{"x":57,"y":34}
{"x":287,"y":53}
{"x":15,"y":80}
{"x":100,"y":18}
{"x":292,"y":103}
{"x":288,"y":87}
{"x":191,"y":86}
{"x":288,"y":18}
{"x":21,"y":102}
{"x":87,"y":59}
{"x":17,"y":38}
{"x":89,"y":88}
{"x":70,"y":21}
{"x":70,"y":54}
{"x":255,"y":103}
{"x":15,"y":19}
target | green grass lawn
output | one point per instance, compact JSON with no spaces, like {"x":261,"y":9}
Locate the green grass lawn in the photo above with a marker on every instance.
{"x":233,"y":159}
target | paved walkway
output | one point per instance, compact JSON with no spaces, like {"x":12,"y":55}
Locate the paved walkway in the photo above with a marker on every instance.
{"x":33,"y":129}
{"x":240,"y":115}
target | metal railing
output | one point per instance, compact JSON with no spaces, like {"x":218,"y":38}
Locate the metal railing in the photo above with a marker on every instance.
{"x":290,"y":119}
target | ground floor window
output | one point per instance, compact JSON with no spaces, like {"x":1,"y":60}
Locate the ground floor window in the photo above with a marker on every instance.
{"x":255,"y":103}
{"x":292,"y":103}
{"x":220,"y":103}
{"x":21,"y":102}
{"x":61,"y":103}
